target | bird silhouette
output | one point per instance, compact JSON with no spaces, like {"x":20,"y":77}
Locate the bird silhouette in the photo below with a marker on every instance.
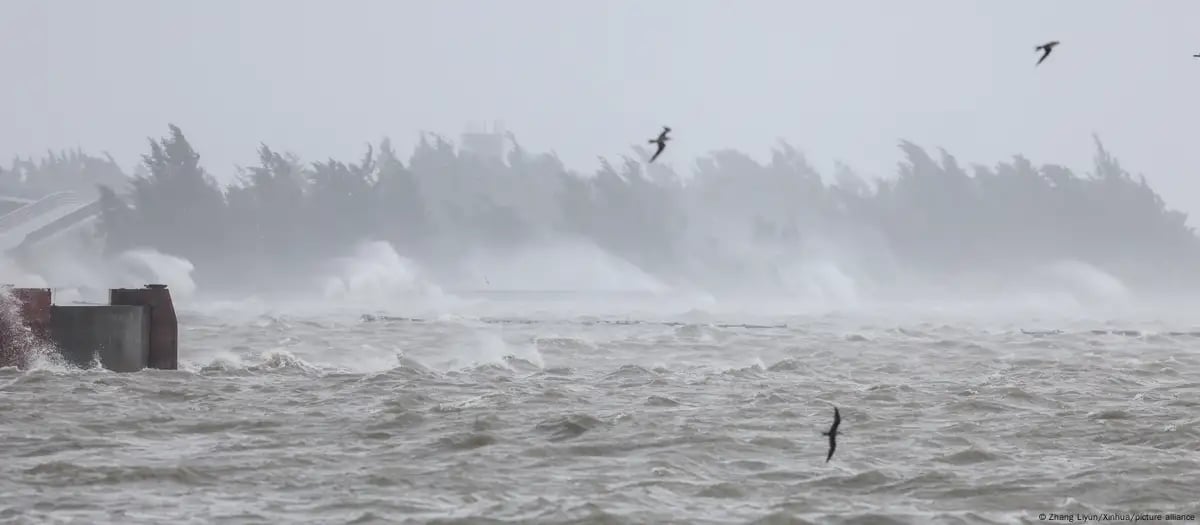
{"x":1047,"y":48}
{"x":661,"y":141}
{"x":837,"y":420}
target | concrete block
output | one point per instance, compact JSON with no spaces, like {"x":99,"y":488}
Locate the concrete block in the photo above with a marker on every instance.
{"x":121,"y":335}
{"x":35,"y":309}
{"x":24,"y":323}
{"x":164,"y":326}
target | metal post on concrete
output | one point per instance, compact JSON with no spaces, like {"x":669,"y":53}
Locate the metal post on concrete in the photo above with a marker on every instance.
{"x":164,"y":327}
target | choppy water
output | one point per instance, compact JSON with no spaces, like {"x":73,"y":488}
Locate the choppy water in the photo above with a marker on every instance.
{"x":593,"y":419}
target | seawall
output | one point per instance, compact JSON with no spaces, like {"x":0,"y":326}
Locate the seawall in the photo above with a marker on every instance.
{"x":136,"y":330}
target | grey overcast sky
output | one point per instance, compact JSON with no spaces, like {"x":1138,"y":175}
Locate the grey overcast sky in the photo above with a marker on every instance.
{"x":843,"y":80}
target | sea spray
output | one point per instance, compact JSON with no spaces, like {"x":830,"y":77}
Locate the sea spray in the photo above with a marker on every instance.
{"x":134,"y":268}
{"x":19,"y":346}
{"x":375,"y":275}
{"x":555,"y":265}
{"x":77,"y":275}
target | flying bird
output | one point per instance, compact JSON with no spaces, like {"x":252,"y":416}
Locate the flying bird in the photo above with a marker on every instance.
{"x":837,"y":420}
{"x":1047,"y":47}
{"x":661,"y":141}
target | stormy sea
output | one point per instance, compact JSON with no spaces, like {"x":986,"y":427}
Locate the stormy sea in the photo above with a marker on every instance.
{"x":502,"y":406}
{"x":457,"y":339}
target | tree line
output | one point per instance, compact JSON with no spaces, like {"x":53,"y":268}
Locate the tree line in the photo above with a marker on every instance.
{"x":284,"y":218}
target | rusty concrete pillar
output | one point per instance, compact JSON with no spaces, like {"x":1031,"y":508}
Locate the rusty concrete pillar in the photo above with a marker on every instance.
{"x":35,"y":309}
{"x":164,"y":327}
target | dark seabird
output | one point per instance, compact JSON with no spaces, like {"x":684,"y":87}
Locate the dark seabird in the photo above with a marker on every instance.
{"x":661,"y":141}
{"x":1047,"y":47}
{"x":837,"y":420}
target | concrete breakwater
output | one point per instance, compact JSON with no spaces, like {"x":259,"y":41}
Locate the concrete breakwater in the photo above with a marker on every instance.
{"x":136,"y":330}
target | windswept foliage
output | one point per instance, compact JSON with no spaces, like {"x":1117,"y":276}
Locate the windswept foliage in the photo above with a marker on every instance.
{"x":64,"y":171}
{"x":733,"y":219}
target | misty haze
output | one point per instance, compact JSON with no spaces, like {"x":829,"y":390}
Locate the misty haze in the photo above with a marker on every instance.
{"x":426,"y":272}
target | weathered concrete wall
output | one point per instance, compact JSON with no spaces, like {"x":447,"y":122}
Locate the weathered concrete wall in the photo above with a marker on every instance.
{"x":24,"y":324}
{"x":164,"y":326}
{"x":35,"y":309}
{"x":121,"y":335}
